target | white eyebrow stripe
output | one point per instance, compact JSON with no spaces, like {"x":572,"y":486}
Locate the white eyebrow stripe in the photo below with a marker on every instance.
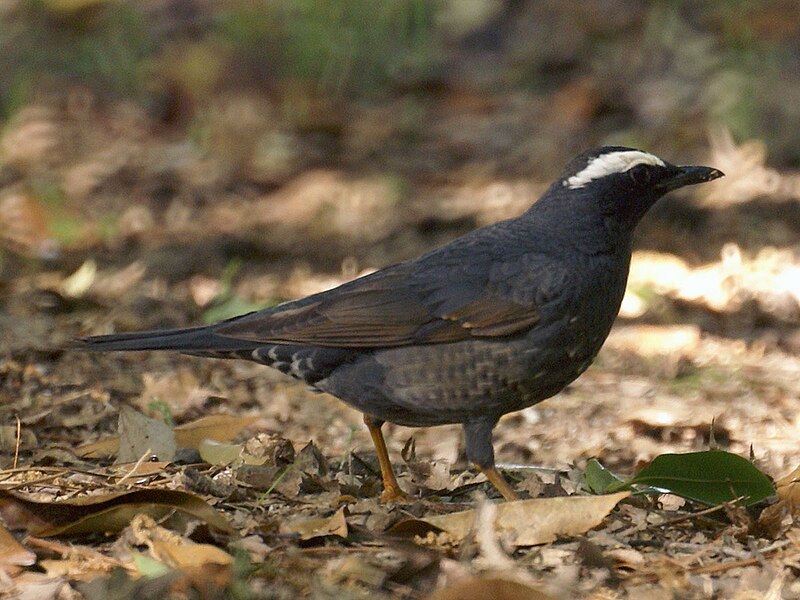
{"x":609,"y":164}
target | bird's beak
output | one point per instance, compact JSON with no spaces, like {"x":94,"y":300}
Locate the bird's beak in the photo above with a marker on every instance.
{"x":689,"y":175}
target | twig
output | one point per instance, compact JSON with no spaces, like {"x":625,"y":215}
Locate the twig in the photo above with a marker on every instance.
{"x":22,"y":484}
{"x":720,"y":567}
{"x":138,"y":464}
{"x":707,"y":511}
{"x":274,"y":484}
{"x":16,"y":446}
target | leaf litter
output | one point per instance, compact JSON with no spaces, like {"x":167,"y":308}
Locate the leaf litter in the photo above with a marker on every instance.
{"x":287,"y":505}
{"x":281,"y":494}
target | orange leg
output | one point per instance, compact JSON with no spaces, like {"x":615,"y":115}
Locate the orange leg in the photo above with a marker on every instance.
{"x":391,"y":489}
{"x":498,"y":481}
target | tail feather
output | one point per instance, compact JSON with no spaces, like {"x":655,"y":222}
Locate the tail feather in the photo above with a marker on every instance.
{"x":195,"y":339}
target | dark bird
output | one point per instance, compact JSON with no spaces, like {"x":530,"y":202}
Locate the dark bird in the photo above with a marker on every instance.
{"x":493,"y":322}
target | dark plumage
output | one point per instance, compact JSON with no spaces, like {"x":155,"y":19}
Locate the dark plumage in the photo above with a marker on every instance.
{"x":490,"y":323}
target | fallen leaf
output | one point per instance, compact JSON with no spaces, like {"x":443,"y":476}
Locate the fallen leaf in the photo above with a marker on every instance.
{"x":108,"y":446}
{"x":627,"y":557}
{"x":308,"y":529}
{"x":215,"y":453}
{"x":36,"y":586}
{"x":788,"y":489}
{"x":77,"y":568}
{"x":254,"y":545}
{"x":148,"y":566}
{"x":77,"y":284}
{"x":25,"y":222}
{"x":480,"y":588}
{"x":276,"y":449}
{"x":772,"y":522}
{"x":77,"y":562}
{"x":431,"y":475}
{"x":13,"y":555}
{"x":711,"y":476}
{"x":187,"y":554}
{"x":139,"y":435}
{"x":353,"y":571}
{"x":219,"y":428}
{"x":537,"y":521}
{"x":102,"y":513}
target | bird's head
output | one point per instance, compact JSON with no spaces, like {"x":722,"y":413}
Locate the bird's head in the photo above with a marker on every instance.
{"x":623,"y":183}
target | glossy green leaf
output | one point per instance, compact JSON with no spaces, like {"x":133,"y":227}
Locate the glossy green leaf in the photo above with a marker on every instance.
{"x":711,"y":477}
{"x":599,"y":479}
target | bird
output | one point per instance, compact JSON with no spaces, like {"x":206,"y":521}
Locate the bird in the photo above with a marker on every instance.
{"x":490,"y":323}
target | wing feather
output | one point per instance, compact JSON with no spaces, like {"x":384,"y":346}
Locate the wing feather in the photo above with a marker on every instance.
{"x":394,"y":307}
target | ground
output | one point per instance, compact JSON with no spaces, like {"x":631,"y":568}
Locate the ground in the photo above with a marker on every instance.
{"x":149,"y":475}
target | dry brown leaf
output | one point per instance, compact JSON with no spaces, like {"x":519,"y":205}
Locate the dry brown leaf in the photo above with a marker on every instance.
{"x":203,"y":564}
{"x":185,"y":554}
{"x":35,"y":586}
{"x":788,"y":490}
{"x":215,"y":453}
{"x":172,"y":549}
{"x":773,"y":521}
{"x":77,"y":568}
{"x":627,"y":557}
{"x":108,"y":446}
{"x":77,"y":284}
{"x":308,"y":529}
{"x":480,"y":588}
{"x":254,"y":545}
{"x":13,"y":555}
{"x":78,"y":562}
{"x":431,"y":475}
{"x":352,"y":572}
{"x":537,"y":521}
{"x":219,"y":428}
{"x":140,"y":435}
{"x":25,"y":225}
{"x":103,"y":512}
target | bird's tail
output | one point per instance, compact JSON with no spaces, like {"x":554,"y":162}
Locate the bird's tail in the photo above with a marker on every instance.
{"x":194,"y":339}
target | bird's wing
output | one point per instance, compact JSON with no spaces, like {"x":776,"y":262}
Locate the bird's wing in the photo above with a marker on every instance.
{"x":394,"y":307}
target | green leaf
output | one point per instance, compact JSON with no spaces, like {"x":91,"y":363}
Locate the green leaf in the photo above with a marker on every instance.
{"x":149,"y":567}
{"x":712,"y":477}
{"x":600,"y":480}
{"x":232,"y":307}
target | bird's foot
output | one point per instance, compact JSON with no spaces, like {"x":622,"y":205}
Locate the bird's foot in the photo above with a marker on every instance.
{"x":393,"y":493}
{"x":498,"y":481}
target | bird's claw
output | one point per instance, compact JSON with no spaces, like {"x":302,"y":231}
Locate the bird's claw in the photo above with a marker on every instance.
{"x":394,"y":494}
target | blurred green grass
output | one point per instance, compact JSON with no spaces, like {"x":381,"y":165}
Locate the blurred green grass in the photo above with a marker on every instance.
{"x":666,"y":64}
{"x":42,"y":47}
{"x":115,"y":48}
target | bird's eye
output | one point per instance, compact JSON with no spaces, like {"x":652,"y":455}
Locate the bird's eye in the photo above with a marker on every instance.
{"x":640,"y":174}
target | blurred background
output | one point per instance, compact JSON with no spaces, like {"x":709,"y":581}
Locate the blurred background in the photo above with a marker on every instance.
{"x":352,"y":127}
{"x":173,"y":162}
